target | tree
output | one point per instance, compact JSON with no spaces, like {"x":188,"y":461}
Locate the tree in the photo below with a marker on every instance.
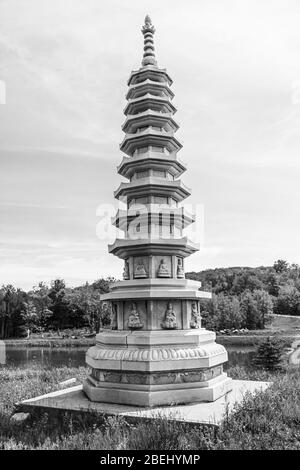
{"x":29,"y":315}
{"x":264,"y":306}
{"x":246,"y":281}
{"x":59,"y":304}
{"x":228,"y":313}
{"x":250,"y":310}
{"x":280,"y":266}
{"x":86,"y":306}
{"x":273,"y":283}
{"x":269,"y":354}
{"x":11,"y":304}
{"x":42,"y":302}
{"x":102,"y":285}
{"x":294,"y":270}
{"x":288,"y":301}
{"x":223,"y":312}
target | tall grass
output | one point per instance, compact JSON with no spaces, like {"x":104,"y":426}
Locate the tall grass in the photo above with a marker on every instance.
{"x":267,"y":420}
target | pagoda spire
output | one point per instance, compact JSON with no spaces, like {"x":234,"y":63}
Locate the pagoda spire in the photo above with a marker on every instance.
{"x":148,"y":31}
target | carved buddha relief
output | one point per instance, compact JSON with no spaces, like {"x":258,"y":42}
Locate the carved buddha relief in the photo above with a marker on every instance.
{"x":140,"y":271}
{"x":195,"y":317}
{"x":169,"y":322}
{"x":134,"y":321}
{"x":180,"y":271}
{"x":113,"y":316}
{"x":163,"y":270}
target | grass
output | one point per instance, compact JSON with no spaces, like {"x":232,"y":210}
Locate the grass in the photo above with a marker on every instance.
{"x":54,"y":339}
{"x":267,"y":420}
{"x":255,"y":337}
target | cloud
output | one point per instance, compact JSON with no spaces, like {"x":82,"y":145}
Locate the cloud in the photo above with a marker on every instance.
{"x":65,"y":64}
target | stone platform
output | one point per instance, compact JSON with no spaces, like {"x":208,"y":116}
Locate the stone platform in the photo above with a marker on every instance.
{"x":74,"y":399}
{"x":156,"y":367}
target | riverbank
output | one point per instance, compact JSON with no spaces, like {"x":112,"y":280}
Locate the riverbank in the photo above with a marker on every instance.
{"x":246,"y":339}
{"x":50,"y":342}
{"x":268,"y":420}
{"x":254,"y":338}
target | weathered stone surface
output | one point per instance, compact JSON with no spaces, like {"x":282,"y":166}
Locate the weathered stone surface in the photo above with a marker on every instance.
{"x":73,"y":399}
{"x":157,"y":378}
{"x":172,"y":395}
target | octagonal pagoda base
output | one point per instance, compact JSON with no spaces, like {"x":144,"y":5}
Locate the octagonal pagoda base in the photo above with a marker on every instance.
{"x":152,"y":368}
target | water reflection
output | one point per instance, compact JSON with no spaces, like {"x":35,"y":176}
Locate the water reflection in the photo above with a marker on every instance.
{"x":51,"y":357}
{"x":75,"y":357}
{"x":238,"y":356}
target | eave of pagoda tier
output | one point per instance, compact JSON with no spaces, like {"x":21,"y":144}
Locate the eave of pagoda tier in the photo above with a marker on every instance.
{"x":138,"y":165}
{"x":153,"y":186}
{"x":150,"y":136}
{"x":149,"y":72}
{"x":153,"y":213}
{"x":148,"y":101}
{"x":149,"y":86}
{"x":123,"y":248}
{"x":149,"y":117}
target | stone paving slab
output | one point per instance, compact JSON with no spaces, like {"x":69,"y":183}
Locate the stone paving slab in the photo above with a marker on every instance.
{"x":74,"y":399}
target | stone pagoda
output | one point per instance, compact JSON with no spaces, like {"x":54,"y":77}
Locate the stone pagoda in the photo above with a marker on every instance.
{"x":156,"y":351}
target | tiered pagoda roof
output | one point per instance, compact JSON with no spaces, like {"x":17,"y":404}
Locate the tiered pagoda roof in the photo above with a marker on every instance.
{"x":151,"y":164}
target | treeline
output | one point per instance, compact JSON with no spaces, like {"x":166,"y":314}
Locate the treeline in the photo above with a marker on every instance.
{"x":242,"y":298}
{"x":55,"y":307}
{"x":246,"y":297}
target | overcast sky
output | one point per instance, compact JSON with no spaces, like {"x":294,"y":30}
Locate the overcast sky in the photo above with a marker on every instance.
{"x":65,"y":64}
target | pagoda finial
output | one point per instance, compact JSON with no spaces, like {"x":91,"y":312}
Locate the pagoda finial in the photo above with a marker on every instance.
{"x":148,"y":30}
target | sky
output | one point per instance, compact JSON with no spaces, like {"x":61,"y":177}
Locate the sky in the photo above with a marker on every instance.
{"x":64,"y":65}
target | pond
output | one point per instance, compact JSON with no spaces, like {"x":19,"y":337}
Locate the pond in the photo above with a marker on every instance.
{"x":75,"y":357}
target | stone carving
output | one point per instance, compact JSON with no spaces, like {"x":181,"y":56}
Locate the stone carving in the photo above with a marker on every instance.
{"x":140,"y":271}
{"x":126,"y":270}
{"x":195,"y":317}
{"x":134,"y":321}
{"x":180,"y":271}
{"x":158,"y":378}
{"x":113,"y":317}
{"x":155,"y":353}
{"x":163,"y":270}
{"x":169,"y":322}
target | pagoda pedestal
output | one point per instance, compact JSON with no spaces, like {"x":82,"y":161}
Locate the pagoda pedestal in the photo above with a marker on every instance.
{"x":156,"y":352}
{"x":152,"y":368}
{"x":156,"y":363}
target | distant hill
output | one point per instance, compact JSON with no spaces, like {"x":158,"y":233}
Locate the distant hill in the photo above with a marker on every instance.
{"x":236,"y":280}
{"x":247,"y":297}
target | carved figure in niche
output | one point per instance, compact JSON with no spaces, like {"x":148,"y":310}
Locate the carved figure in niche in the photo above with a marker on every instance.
{"x":126,"y":270}
{"x":163,"y":270}
{"x":195,"y":317}
{"x":169,"y":322}
{"x":140,"y":270}
{"x":134,"y":321}
{"x":113,"y":317}
{"x":180,"y":271}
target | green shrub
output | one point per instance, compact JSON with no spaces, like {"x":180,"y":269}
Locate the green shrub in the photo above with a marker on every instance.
{"x":269,"y":354}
